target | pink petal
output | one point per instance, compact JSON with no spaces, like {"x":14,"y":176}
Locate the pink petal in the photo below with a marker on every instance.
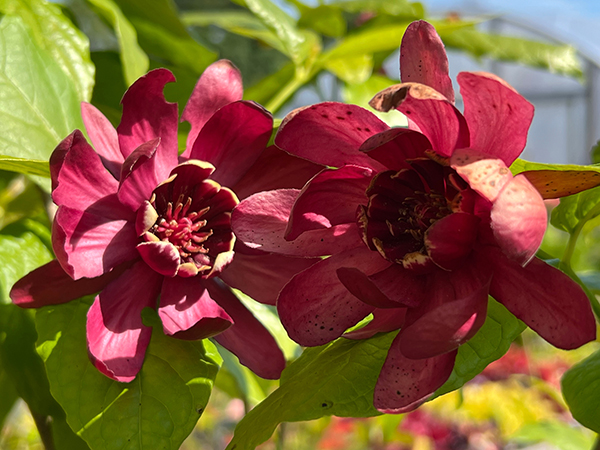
{"x":434,"y":115}
{"x":316,"y":308}
{"x":263,"y":276}
{"x":139,"y":175}
{"x":146,"y":116}
{"x":104,"y":138}
{"x":519,"y":220}
{"x":275,"y":169}
{"x":188,"y":312}
{"x":423,"y":59}
{"x":363,"y":288}
{"x":247,"y":338}
{"x":117,"y":338}
{"x":219,"y":85}
{"x":233,"y":139}
{"x":394,"y":146}
{"x":329,"y":199}
{"x":401,"y":285}
{"x":260,"y":222}
{"x":384,"y":320}
{"x":544,"y":298}
{"x":455,"y":310}
{"x":145,"y":218}
{"x":50,"y":285}
{"x":161,"y":256}
{"x":89,"y":245}
{"x":404,"y":384}
{"x":330,"y":134}
{"x":449,"y":241}
{"x":498,"y":116}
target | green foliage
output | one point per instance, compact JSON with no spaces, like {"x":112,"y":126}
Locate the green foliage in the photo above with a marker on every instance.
{"x":561,"y":435}
{"x":155,"y":411}
{"x":580,"y":388}
{"x":520,"y":165}
{"x":575,"y":210}
{"x":22,"y":165}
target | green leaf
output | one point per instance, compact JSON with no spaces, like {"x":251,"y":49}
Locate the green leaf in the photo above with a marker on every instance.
{"x":325,"y":19}
{"x":39,"y":105}
{"x":133,"y":59}
{"x":520,"y":165}
{"x":491,"y":342}
{"x":8,"y":393}
{"x":561,"y":435}
{"x":266,"y":89}
{"x":581,"y":390}
{"x":575,"y":210}
{"x":55,"y":33}
{"x":238,"y":381}
{"x":22,"y":165}
{"x":334,"y":379}
{"x":560,"y":59}
{"x":398,"y":8}
{"x":353,"y":70}
{"x":596,"y":152}
{"x":155,"y":411}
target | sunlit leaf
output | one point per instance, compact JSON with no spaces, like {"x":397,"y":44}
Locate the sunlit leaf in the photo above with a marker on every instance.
{"x":22,"y":165}
{"x":574,"y":211}
{"x":561,"y":435}
{"x":155,"y":411}
{"x":133,"y":59}
{"x":353,"y":70}
{"x":55,"y":33}
{"x":581,"y":390}
{"x":325,"y":19}
{"x":398,"y":8}
{"x":39,"y":104}
{"x":264,"y":90}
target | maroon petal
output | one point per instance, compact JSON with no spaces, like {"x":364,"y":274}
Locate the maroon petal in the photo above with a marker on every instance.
{"x":260,"y":222}
{"x":88,"y":245}
{"x":401,"y":285}
{"x":329,"y":199}
{"x":519,"y":219}
{"x":50,"y":285}
{"x":104,"y":138}
{"x":384,"y":320}
{"x":146,"y":116}
{"x":219,"y":85}
{"x":188,"y":312}
{"x":116,"y":337}
{"x":363,"y":288}
{"x":435,"y":116}
{"x":330,"y":134}
{"x":544,"y":298}
{"x":498,"y":116}
{"x":247,"y":338}
{"x":453,"y":313}
{"x":316,"y":308}
{"x":404,"y":384}
{"x":423,"y":59}
{"x":394,"y":146}
{"x":139,"y":175}
{"x":161,"y":256}
{"x":233,"y":139}
{"x":275,"y":169}
{"x":263,"y":276}
{"x":450,"y":240}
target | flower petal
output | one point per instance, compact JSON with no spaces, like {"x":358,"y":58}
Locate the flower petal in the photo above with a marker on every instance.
{"x":423,"y":59}
{"x":261,"y":220}
{"x":404,"y":384}
{"x":263,"y":276}
{"x":233,"y":139}
{"x":453,"y":313}
{"x":89,"y":245}
{"x":146,"y":116}
{"x":435,"y":116}
{"x":104,"y":138}
{"x":329,"y":199}
{"x":363,"y":288}
{"x":384,"y":320}
{"x":247,"y":338}
{"x":188,"y":312}
{"x":330,"y":134}
{"x":450,"y":240}
{"x":544,"y":298}
{"x":519,"y":220}
{"x":219,"y":85}
{"x":275,"y":169}
{"x":401,"y":285}
{"x":138,"y":175}
{"x":116,"y":337}
{"x":316,"y":308}
{"x":394,"y":146}
{"x":51,"y":285}
{"x":498,"y":116}
{"x":161,"y":256}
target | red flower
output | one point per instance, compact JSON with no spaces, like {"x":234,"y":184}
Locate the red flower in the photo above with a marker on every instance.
{"x":136,"y":220}
{"x":421,"y":224}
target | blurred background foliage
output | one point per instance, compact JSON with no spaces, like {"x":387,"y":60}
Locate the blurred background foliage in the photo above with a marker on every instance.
{"x":54,"y":55}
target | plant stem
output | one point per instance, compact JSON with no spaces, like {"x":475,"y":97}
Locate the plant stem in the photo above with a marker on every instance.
{"x":42,"y":422}
{"x":566,"y":259}
{"x":285,"y":93}
{"x":281,"y":438}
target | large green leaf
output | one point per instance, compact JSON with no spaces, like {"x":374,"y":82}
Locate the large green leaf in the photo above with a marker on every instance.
{"x":575,"y":210}
{"x":133,"y":59}
{"x":39,"y":105}
{"x":397,"y":8}
{"x":581,"y":390}
{"x":155,"y":411}
{"x":55,"y":33}
{"x":562,"y":435}
{"x":22,"y":165}
{"x":8,"y":393}
{"x":521,"y":165}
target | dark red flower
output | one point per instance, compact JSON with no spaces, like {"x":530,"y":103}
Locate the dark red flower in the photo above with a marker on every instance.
{"x":420,"y":224}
